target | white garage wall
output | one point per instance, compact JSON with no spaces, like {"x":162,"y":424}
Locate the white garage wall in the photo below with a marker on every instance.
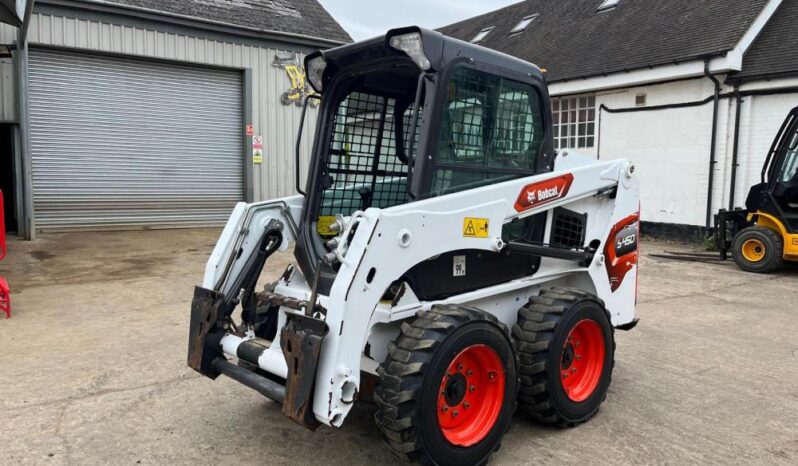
{"x":276,"y":122}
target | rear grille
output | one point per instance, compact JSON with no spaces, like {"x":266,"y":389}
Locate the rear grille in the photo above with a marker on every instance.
{"x":569,"y":228}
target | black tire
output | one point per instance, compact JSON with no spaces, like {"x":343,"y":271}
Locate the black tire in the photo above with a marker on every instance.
{"x":772,"y":242}
{"x":411,"y":378}
{"x":541,"y":335}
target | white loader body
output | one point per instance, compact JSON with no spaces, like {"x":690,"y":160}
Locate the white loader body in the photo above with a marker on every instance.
{"x":388,"y":242}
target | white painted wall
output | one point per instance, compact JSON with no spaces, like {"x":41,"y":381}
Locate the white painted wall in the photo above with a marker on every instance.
{"x":761,"y":119}
{"x":671,"y":148}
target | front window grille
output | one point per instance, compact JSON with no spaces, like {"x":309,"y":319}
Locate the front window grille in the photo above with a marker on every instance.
{"x":364,"y":167}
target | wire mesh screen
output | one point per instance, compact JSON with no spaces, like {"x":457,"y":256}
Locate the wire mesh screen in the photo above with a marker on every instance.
{"x":568,"y":229}
{"x":365,"y":167}
{"x":492,"y":131}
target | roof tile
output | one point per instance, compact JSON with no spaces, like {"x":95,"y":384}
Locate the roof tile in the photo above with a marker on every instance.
{"x":775,"y":51}
{"x":306,"y":17}
{"x":571,"y":39}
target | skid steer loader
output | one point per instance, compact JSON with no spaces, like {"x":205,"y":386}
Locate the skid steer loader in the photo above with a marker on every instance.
{"x":764,"y":235}
{"x":449,"y":266}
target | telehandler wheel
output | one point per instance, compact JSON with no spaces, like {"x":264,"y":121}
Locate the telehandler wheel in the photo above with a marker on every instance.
{"x":758,"y":250}
{"x":448,"y":387}
{"x":566,"y":351}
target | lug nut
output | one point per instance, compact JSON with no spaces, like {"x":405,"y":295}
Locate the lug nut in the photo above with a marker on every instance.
{"x":454,"y":413}
{"x":472,"y":388}
{"x":469,"y":372}
{"x":445,"y":408}
{"x":466,"y":405}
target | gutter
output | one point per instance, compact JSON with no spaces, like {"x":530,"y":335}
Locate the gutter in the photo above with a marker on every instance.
{"x":713,"y":143}
{"x":103,"y":5}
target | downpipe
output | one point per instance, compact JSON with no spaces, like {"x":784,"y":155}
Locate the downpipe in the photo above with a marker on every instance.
{"x":736,"y":148}
{"x":713,"y":145}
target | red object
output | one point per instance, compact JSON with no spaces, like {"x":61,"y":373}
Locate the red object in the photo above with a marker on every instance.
{"x":582,"y":360}
{"x":5,"y":298}
{"x":2,"y":227}
{"x":543,"y":192}
{"x":621,"y":249}
{"x":5,"y":293}
{"x":471,"y":395}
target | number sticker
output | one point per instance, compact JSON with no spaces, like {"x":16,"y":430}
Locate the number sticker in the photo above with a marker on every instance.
{"x":459,"y":264}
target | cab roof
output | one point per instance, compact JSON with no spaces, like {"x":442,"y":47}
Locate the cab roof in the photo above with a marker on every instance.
{"x":439,"y":49}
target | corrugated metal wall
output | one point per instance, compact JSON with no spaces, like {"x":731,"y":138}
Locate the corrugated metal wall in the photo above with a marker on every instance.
{"x":277,"y":123}
{"x":118,"y":142}
{"x":8,"y":102}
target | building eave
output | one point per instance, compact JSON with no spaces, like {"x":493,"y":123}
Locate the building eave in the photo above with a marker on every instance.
{"x":104,"y":6}
{"x":720,"y":63}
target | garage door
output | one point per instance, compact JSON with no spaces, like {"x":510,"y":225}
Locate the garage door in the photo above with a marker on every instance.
{"x":129,"y":143}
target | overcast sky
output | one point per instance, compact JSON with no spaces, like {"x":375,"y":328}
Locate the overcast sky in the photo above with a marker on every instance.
{"x":363,"y":19}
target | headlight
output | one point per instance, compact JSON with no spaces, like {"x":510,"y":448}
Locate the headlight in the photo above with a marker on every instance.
{"x":413,"y":46}
{"x":315,"y":72}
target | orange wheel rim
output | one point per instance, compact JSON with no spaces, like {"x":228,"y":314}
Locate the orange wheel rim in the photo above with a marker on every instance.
{"x":754,"y":250}
{"x":471,"y":395}
{"x":582,"y":360}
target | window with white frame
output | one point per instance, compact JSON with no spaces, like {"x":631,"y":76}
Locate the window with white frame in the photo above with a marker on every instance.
{"x":574,"y":122}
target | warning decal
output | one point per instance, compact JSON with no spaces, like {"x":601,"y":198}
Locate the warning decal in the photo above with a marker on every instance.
{"x":475,"y":227}
{"x":323,"y":225}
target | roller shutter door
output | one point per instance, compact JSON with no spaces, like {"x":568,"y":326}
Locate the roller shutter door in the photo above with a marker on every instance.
{"x":125,"y":143}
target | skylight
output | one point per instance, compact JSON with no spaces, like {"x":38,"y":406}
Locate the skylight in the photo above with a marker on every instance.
{"x":481,"y":35}
{"x":608,"y":5}
{"x":524,"y":23}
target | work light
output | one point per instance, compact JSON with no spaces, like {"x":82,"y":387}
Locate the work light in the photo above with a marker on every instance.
{"x":413,"y":46}
{"x":315,"y":72}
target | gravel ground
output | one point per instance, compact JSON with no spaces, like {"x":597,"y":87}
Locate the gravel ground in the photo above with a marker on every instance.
{"x":92,"y":369}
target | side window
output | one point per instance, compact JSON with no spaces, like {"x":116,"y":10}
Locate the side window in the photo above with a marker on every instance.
{"x":789,"y":171}
{"x":492,"y":131}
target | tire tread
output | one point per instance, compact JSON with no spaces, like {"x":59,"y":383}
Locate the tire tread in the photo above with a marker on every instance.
{"x":534,"y":333}
{"x":401,"y":375}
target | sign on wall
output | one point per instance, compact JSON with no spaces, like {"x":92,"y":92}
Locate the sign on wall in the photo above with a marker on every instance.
{"x":300,"y":88}
{"x":257,"y":149}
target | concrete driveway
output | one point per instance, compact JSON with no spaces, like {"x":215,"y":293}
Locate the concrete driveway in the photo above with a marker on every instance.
{"x":92,"y":369}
